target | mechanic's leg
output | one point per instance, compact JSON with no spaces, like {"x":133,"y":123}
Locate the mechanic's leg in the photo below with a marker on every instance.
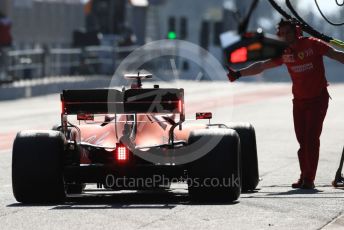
{"x":315,"y":119}
{"x":300,"y":129}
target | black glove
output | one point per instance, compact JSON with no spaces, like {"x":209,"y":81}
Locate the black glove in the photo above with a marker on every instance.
{"x":232,"y":74}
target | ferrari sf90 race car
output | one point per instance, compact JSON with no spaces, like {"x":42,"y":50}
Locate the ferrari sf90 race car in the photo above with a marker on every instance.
{"x":136,"y":138}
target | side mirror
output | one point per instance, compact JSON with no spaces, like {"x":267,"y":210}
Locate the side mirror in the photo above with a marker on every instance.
{"x":203,"y":115}
{"x":85,"y":117}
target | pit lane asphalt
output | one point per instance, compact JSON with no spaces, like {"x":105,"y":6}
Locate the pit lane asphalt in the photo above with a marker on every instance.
{"x":273,"y":206}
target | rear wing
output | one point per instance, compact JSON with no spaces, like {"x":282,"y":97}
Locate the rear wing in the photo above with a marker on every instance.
{"x":112,"y":101}
{"x":91,"y":101}
{"x":154,"y":101}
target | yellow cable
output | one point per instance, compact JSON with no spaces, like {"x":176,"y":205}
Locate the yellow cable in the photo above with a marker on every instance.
{"x":337,"y":43}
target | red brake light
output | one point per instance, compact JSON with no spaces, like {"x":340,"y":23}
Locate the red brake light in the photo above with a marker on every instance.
{"x":239,"y":55}
{"x":180,"y":106}
{"x":121,"y":153}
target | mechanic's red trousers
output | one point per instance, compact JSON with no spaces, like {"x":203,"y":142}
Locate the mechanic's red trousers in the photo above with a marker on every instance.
{"x":309,"y":115}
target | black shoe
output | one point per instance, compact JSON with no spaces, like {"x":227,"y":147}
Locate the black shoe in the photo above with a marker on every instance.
{"x":297,"y":184}
{"x":307,"y":185}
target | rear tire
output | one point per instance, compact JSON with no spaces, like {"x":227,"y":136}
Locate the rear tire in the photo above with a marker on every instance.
{"x":221,"y":165}
{"x":249,"y":157}
{"x":37,"y":167}
{"x":75,"y":188}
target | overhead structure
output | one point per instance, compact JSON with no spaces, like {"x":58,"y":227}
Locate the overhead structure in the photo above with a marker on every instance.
{"x":304,"y":25}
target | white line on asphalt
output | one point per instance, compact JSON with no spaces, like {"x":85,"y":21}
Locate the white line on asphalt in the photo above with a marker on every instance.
{"x":333,"y":223}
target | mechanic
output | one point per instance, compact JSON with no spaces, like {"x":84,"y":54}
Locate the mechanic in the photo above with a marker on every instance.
{"x":304,"y":60}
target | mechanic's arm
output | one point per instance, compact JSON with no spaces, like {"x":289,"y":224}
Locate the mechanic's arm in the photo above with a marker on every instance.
{"x":253,"y":69}
{"x":335,"y":55}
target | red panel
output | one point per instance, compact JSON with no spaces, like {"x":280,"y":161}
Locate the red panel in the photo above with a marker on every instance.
{"x":239,"y":55}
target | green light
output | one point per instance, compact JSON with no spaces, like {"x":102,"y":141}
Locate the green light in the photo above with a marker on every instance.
{"x":171,"y":35}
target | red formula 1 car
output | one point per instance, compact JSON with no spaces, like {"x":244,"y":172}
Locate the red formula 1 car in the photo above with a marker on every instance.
{"x":133,"y":139}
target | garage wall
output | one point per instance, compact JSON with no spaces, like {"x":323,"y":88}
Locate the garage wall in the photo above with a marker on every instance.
{"x":48,"y":22}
